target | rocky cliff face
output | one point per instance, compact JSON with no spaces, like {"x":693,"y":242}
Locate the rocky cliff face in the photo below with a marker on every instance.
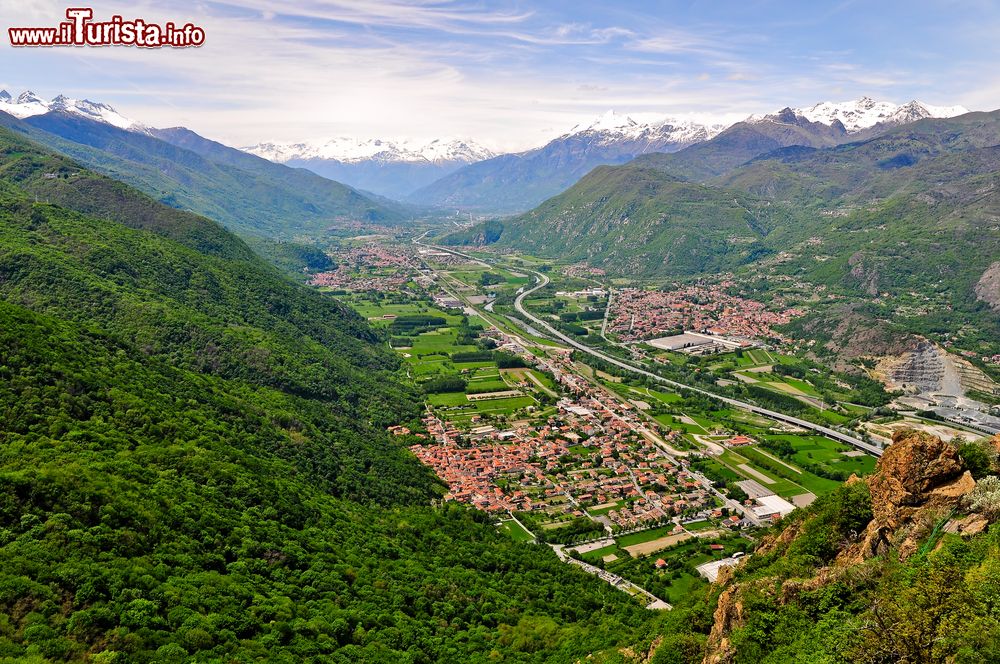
{"x":919,"y":480}
{"x":988,"y":287}
{"x":918,"y":485}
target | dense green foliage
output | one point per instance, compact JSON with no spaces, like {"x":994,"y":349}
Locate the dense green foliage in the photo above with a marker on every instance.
{"x":194,"y":463}
{"x":638,"y":220}
{"x":505,"y":360}
{"x":441,"y":384}
{"x":295,"y":259}
{"x":414,"y":324}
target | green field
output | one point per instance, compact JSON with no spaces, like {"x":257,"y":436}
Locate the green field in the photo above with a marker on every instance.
{"x":683,"y":585}
{"x":778,"y":484}
{"x":813,"y":483}
{"x":516,"y":532}
{"x":699,"y":526}
{"x":827,"y":453}
{"x":725,"y":472}
{"x":376,"y":310}
{"x":598,"y":554}
{"x":605,"y":510}
{"x":643,"y":536}
{"x":702,"y":425}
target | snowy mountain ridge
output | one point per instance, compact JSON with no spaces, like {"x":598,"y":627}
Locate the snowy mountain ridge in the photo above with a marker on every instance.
{"x":860,"y":114}
{"x":614,"y":126}
{"x":352,"y":150}
{"x":28,"y":104}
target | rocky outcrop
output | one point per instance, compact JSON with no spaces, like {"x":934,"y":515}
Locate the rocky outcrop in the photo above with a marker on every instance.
{"x":919,"y":479}
{"x":728,"y":616}
{"x":968,"y":526}
{"x":988,"y":287}
{"x":865,"y":272}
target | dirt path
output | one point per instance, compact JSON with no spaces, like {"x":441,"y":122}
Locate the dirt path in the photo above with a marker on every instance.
{"x":752,"y":472}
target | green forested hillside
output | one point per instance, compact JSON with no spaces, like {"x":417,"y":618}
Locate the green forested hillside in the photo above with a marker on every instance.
{"x":910,"y":213}
{"x":194,"y":463}
{"x":640,"y":221}
{"x":247,"y":194}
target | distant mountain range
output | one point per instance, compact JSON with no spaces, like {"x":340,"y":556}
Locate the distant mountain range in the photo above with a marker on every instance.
{"x":250,"y":195}
{"x":446,"y":174}
{"x":865,"y":113}
{"x":352,"y":150}
{"x":389,"y":168}
{"x":516,"y":182}
{"x":889,"y":210}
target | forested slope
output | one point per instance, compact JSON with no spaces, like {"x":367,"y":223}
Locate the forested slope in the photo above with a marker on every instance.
{"x":249,"y":195}
{"x":193,"y":461}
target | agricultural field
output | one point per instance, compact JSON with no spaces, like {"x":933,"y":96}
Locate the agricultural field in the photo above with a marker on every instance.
{"x":767,"y":463}
{"x":827,"y":454}
{"x":747,"y":462}
{"x":678,"y":577}
{"x":643,"y":536}
{"x":374,"y":309}
{"x":430,"y":355}
{"x":773,"y":381}
{"x":791,"y":465}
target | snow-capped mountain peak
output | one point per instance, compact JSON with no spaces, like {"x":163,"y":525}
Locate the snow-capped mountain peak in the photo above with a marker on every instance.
{"x":658,"y":131}
{"x":28,"y":104}
{"x":28,"y":97}
{"x":351,"y":150}
{"x":610,"y":121}
{"x":866,"y":112}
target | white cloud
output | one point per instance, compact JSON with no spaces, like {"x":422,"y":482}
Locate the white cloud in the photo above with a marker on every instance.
{"x":506,"y":76}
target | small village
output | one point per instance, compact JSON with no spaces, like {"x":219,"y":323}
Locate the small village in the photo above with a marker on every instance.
{"x":370,"y":267}
{"x":595,"y":457}
{"x":638,"y":314}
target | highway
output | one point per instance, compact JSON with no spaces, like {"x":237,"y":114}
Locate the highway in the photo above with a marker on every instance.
{"x":543,"y":281}
{"x":728,"y":502}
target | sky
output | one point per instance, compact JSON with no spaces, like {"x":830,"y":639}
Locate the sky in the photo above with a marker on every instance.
{"x":508,"y":74}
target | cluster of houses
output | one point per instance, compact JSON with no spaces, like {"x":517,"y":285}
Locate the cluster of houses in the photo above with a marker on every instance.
{"x":641,"y":314}
{"x":593,"y":457}
{"x":371,"y":267}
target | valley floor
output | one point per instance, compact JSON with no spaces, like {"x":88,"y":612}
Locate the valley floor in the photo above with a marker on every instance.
{"x":641,"y":483}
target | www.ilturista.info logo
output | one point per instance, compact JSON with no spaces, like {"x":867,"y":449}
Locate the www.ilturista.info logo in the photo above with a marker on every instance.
{"x":82,"y":30}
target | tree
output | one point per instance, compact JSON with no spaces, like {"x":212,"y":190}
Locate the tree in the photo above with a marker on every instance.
{"x":979,"y":457}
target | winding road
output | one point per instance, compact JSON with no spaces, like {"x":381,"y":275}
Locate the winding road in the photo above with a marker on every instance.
{"x":542,"y":281}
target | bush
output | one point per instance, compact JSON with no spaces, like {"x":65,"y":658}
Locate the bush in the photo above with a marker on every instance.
{"x":444,"y":384}
{"x":505,"y":360}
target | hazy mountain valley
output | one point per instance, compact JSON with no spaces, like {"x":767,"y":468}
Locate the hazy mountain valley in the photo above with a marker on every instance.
{"x":670,"y":385}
